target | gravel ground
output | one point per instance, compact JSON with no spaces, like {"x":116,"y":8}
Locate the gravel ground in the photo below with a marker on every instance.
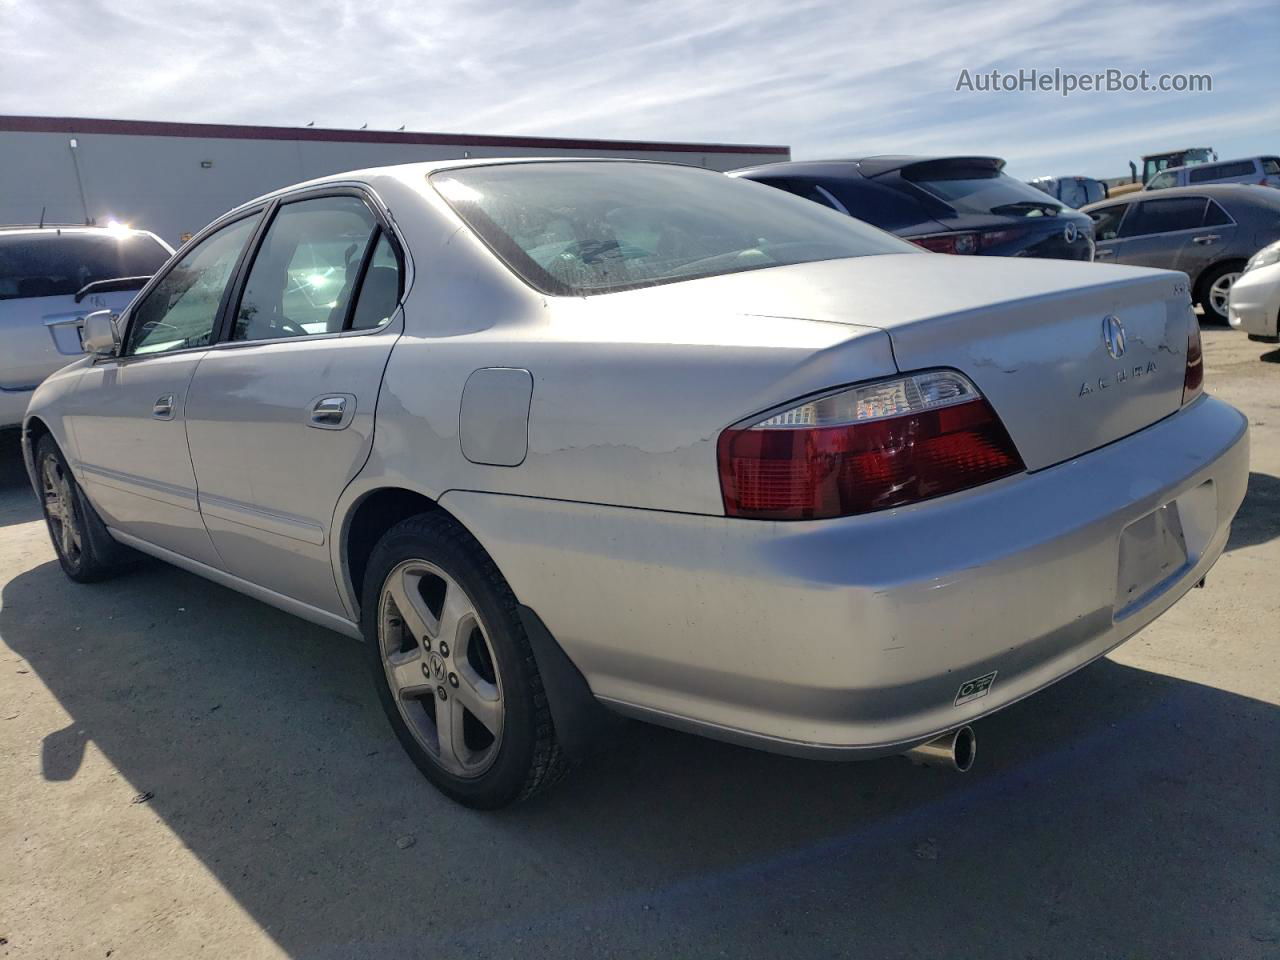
{"x":186,"y":772}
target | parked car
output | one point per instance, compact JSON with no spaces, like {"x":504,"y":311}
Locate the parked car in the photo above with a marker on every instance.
{"x":576,"y":435}
{"x":962,"y":205}
{"x":1255,"y":297}
{"x":1073,"y":192}
{"x":50,"y":277}
{"x":1206,"y":232}
{"x":1256,"y":170}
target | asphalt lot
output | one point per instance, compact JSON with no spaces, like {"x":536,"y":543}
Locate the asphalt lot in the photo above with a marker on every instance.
{"x":186,"y":772}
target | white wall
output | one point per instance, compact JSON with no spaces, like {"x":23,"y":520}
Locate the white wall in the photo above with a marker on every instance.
{"x":157,"y":182}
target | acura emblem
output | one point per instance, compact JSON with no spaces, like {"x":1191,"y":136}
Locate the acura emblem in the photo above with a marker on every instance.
{"x":1069,"y":233}
{"x":1113,"y":335}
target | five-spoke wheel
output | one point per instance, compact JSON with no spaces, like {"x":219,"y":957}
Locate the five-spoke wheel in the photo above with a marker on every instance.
{"x":440,"y":666}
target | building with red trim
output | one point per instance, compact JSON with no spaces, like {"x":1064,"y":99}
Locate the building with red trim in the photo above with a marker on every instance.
{"x":173,"y":178}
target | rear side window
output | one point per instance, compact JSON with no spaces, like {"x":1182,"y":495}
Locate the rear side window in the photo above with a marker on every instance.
{"x":57,"y":265}
{"x":881,"y":205}
{"x":1215,"y":216}
{"x":1165,"y":216}
{"x":1271,"y":166}
{"x":1221,"y":171}
{"x":380,"y":289}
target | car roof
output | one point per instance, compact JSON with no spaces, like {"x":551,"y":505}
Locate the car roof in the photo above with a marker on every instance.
{"x":1227,"y":194}
{"x":1215,"y":163}
{"x":61,"y":228}
{"x":872,"y":166}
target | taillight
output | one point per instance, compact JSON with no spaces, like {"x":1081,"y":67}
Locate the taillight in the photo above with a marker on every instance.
{"x":966,"y":242}
{"x":948,"y":242}
{"x":1193,"y":380}
{"x":866,"y":448}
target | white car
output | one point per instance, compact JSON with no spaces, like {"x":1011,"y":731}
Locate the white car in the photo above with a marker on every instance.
{"x":50,"y":278}
{"x":556,"y":436}
{"x":1254,"y":306}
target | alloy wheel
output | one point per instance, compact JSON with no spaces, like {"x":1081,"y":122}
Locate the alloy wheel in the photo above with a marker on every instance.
{"x":440,"y":666}
{"x":1220,"y":292}
{"x":59,"y":507}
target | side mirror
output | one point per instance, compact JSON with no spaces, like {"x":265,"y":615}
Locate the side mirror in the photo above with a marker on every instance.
{"x":98,"y":335}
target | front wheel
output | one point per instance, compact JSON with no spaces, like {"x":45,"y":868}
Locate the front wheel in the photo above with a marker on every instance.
{"x":86,"y":551}
{"x":454,"y":670}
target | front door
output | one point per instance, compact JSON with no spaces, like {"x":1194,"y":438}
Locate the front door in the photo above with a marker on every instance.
{"x":280,"y":416}
{"x":127,"y":412}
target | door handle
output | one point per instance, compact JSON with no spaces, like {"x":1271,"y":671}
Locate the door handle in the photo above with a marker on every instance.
{"x":1103,"y":254}
{"x":163,"y":408}
{"x":1206,"y":240}
{"x":332,"y":412}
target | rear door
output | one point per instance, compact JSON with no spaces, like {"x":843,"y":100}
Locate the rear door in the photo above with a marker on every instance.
{"x":128,"y":411}
{"x":280,"y":414}
{"x":1173,"y":233}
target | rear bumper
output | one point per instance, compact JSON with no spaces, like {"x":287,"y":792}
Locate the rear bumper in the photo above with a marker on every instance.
{"x":13,"y":406}
{"x":852,"y":637}
{"x":1255,"y":302}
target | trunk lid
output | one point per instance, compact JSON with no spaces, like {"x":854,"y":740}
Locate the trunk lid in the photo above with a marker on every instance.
{"x":42,"y":334}
{"x":1029,"y":333}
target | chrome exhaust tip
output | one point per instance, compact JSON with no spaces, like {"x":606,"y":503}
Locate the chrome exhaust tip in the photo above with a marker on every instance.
{"x":953,"y":750}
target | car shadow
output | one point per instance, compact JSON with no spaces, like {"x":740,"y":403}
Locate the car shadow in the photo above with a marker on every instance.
{"x":17,"y":502}
{"x":1271,"y":356}
{"x":1118,"y":812}
{"x":1258,"y":519}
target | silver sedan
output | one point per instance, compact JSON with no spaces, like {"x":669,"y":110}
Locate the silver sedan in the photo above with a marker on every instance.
{"x":561,"y":438}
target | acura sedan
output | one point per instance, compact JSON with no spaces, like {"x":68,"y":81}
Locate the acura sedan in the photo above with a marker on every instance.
{"x":557,"y":438}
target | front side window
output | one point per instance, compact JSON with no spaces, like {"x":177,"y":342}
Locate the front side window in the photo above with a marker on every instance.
{"x":58,"y":263}
{"x":180,"y":311}
{"x":577,"y":228}
{"x":1164,"y":181}
{"x":1106,"y":220}
{"x":305,"y":273}
{"x":1165,"y":216}
{"x":1271,"y":166}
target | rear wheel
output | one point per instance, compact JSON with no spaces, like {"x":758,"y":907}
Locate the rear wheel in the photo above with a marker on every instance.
{"x":85,"y":549}
{"x":454,"y":669}
{"x":1215,"y":290}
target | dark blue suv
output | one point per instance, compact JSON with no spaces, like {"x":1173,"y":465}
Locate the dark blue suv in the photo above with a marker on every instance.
{"x":944,"y":204}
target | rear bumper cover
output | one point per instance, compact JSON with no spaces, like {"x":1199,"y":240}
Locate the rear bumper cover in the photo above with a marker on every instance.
{"x":13,"y":405}
{"x":851,"y":638}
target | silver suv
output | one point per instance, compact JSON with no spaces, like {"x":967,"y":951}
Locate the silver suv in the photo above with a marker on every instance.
{"x":1259,"y":170}
{"x":50,"y":277}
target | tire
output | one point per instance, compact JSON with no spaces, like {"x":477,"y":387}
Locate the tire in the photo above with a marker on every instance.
{"x":454,"y":670}
{"x":86,"y":551}
{"x":1207,"y":289}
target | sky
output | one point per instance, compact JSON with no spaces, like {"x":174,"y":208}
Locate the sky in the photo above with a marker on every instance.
{"x":830,"y":78}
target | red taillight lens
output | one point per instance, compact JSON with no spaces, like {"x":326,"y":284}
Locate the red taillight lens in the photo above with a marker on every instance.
{"x":948,"y":242}
{"x":1193,"y":380}
{"x":786,"y":469}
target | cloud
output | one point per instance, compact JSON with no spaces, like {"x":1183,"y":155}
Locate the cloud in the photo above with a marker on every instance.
{"x":829,"y":77}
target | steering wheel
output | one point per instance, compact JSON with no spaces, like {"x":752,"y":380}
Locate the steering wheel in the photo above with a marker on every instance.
{"x":291,"y":327}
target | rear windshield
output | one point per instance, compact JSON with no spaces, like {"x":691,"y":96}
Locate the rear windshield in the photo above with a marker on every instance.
{"x":54,"y":265}
{"x":580,"y":228}
{"x":985,"y":191}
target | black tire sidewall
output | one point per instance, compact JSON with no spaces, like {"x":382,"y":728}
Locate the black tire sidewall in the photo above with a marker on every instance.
{"x":1207,"y":280}
{"x":79,"y":568}
{"x":505,"y":780}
